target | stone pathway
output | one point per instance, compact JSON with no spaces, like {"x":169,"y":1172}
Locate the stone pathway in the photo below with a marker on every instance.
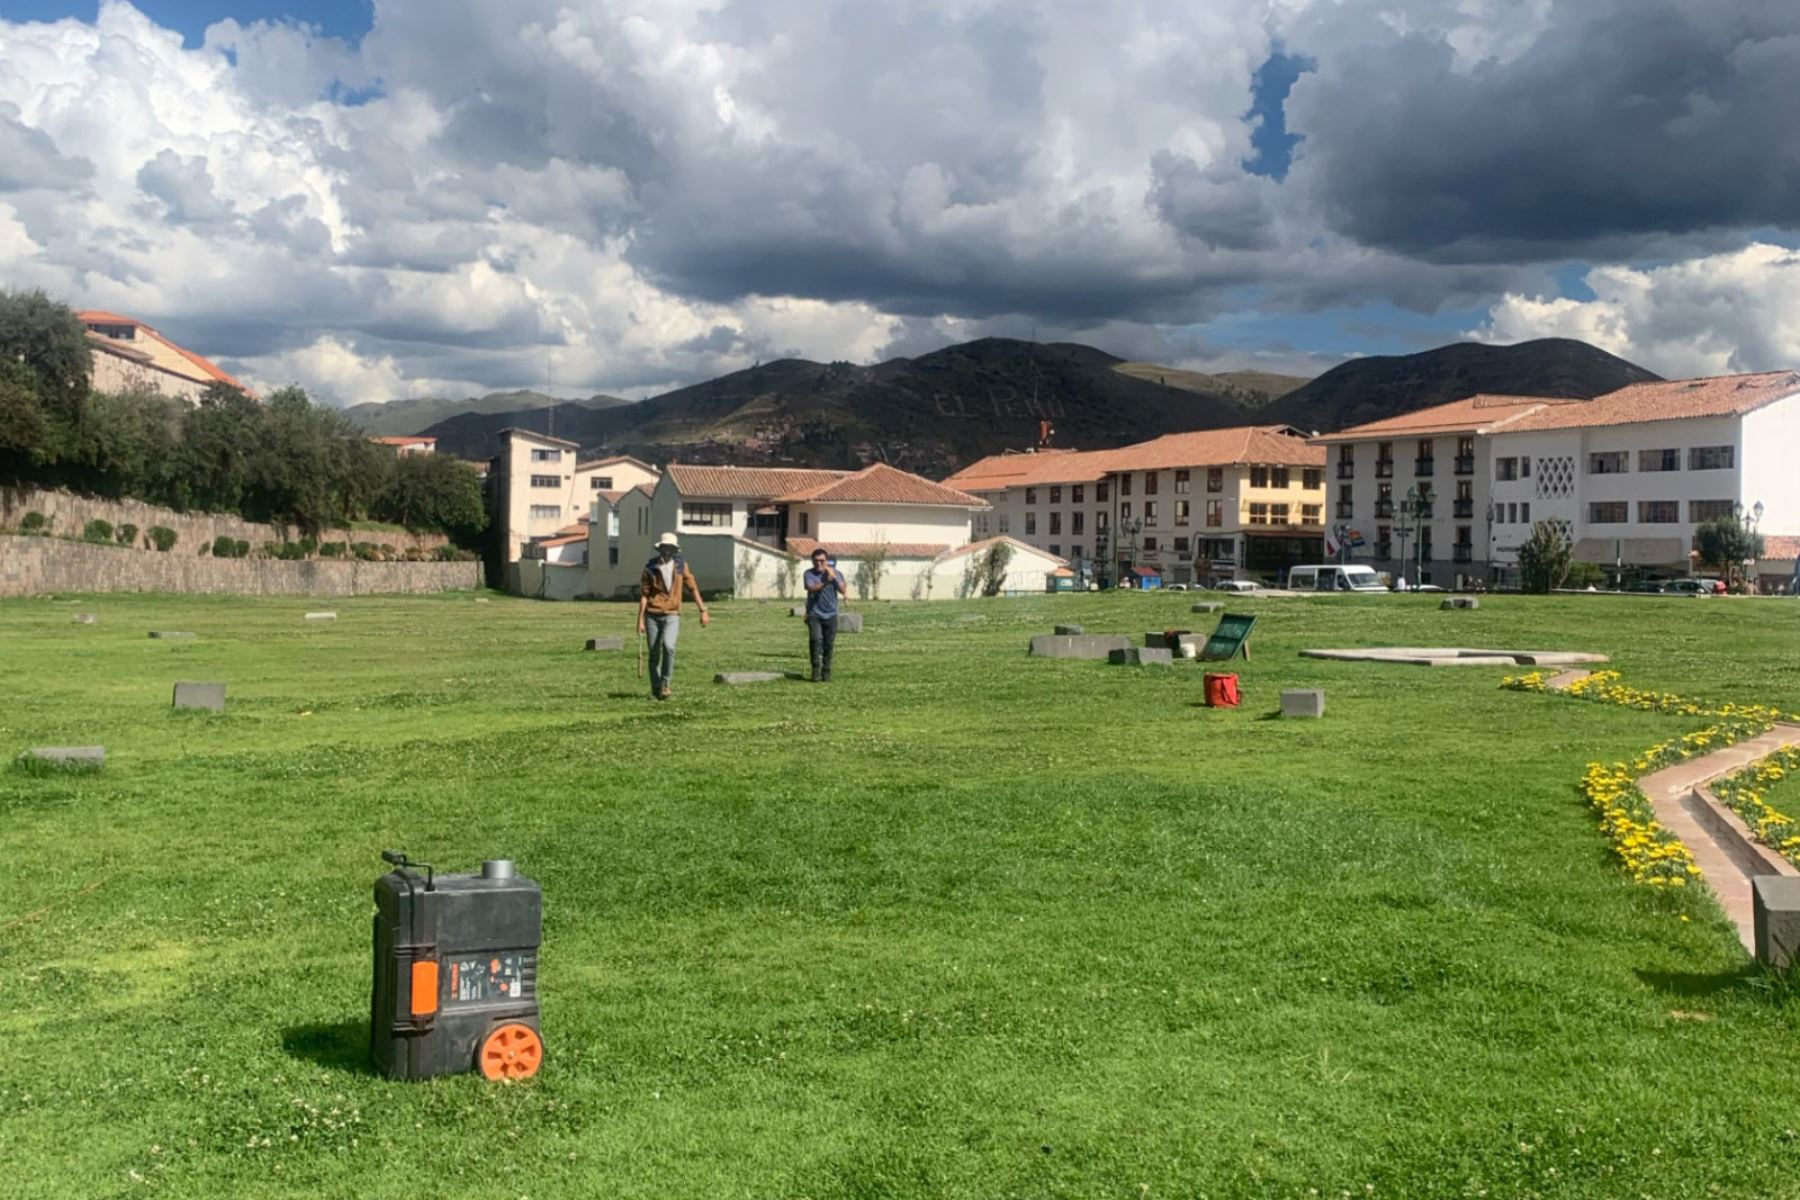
{"x":1724,"y":849}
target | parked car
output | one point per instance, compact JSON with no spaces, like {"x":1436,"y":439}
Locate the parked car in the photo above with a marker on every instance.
{"x":1690,"y":587}
{"x":1428,"y":587}
{"x":1234,"y":585}
{"x":1652,"y":586}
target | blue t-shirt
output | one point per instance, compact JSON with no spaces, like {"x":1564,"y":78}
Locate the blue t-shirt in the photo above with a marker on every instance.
{"x":824,"y":602}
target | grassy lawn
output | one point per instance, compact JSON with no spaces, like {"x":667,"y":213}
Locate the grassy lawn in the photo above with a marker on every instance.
{"x":962,"y":923}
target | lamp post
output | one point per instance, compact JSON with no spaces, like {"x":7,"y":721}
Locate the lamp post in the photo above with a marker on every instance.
{"x":1132,"y":526}
{"x":1421,"y":502}
{"x":1756,"y":514}
{"x":1489,"y":545}
{"x":1402,"y":532}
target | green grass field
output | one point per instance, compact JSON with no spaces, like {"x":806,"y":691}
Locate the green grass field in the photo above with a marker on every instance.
{"x":962,"y":923}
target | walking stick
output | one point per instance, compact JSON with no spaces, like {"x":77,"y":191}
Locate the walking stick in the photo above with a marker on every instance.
{"x":640,"y":643}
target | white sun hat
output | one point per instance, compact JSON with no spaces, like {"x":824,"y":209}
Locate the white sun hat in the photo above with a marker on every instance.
{"x":668,"y":539}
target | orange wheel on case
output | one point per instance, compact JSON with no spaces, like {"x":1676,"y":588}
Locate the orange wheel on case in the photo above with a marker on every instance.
{"x":511,"y":1052}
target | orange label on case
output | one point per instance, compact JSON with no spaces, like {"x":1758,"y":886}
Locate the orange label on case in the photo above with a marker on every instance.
{"x":424,"y":987}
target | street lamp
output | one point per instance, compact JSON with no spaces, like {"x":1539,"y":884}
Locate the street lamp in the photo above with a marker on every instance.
{"x":1414,"y":506}
{"x":1132,"y":526}
{"x":1489,"y":549}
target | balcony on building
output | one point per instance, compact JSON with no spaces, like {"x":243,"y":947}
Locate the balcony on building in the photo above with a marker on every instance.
{"x":1343,"y":512}
{"x":1383,"y":550}
{"x":1384,"y":468}
{"x":1465,"y":464}
{"x":1424,"y":466}
{"x":1462,"y":554}
{"x":1384,"y":509}
{"x":1465,"y":510}
{"x":1346,"y":470}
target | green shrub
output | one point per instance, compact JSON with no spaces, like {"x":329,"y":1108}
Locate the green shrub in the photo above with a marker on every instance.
{"x":97,"y":530}
{"x":162,"y":537}
{"x":388,"y":553}
{"x":308,"y":546}
{"x":365,"y":551}
{"x":240,"y":549}
{"x":333,"y":549}
{"x":445,"y":553}
{"x":35,"y":522}
{"x":128,"y":534}
{"x":286,"y":551}
{"x":223,"y":546}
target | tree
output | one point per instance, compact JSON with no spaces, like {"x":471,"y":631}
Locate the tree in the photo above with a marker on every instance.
{"x":871,"y":565}
{"x":22,"y":426}
{"x":1727,"y":543}
{"x":51,"y":342}
{"x":432,"y":491}
{"x":1545,"y":558}
{"x":993,"y":567}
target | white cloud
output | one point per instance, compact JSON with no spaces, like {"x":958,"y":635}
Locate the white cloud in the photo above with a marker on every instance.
{"x":1715,"y":315}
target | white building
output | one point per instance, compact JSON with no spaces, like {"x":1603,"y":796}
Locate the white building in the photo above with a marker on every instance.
{"x":1633,"y":472}
{"x":1628,"y":474}
{"x":537,"y":487}
{"x":130,"y":356}
{"x":1216,"y":503}
{"x":751,"y":530}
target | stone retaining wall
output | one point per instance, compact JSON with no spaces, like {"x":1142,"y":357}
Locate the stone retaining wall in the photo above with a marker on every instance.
{"x":31,"y":566}
{"x":70,"y":512}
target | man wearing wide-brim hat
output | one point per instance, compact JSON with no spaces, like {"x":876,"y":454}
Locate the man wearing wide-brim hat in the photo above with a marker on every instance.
{"x":666,"y":578}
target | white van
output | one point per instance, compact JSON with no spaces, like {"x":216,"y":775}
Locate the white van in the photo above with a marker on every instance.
{"x":1334,"y":579}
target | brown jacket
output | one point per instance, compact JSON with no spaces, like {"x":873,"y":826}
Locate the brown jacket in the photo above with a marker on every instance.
{"x":666,"y":601}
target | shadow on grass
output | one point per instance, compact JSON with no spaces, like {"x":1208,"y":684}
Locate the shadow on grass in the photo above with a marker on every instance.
{"x":339,"y":1045}
{"x":1753,"y":981}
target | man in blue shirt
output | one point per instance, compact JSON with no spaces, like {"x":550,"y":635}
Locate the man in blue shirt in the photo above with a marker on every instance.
{"x":824,"y":588}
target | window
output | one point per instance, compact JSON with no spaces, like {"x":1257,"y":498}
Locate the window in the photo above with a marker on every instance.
{"x":1150,"y":482}
{"x":1056,"y":493}
{"x":1506,"y":468}
{"x":1181,"y":545}
{"x":1149,"y":543}
{"x":1659,"y":512}
{"x":1384,"y":452}
{"x":1524,"y":466}
{"x":1075,"y":552}
{"x":1215,"y":514}
{"x":1259,"y":477}
{"x":1030,"y":524}
{"x":546,"y":481}
{"x":806,"y":523}
{"x":1278,"y":514}
{"x":1125,"y":484}
{"x":1125,"y":512}
{"x":1031,"y":495}
{"x":1712,"y":458}
{"x":612,"y":556}
{"x":554,"y":456}
{"x":1055,"y":524}
{"x":1278,"y":477}
{"x":545,"y":512}
{"x":1005,"y":523}
{"x":1710,"y":510}
{"x":1077,"y":496}
{"x":1075,"y":521}
{"x":1312,"y":514}
{"x":1608,"y":512}
{"x":1181,"y":483}
{"x":1512,"y":513}
{"x":1181,"y":512}
{"x":1149,"y":512}
{"x":1056,"y":549}
{"x":1215,"y":479}
{"x":1100,"y":521}
{"x":600,"y":483}
{"x":1259,"y":514}
{"x":1659,"y":460}
{"x":1312,"y":478}
{"x":1608,"y":462}
{"x":1100,"y":492}
{"x":1525,"y":511}
{"x":712,"y":515}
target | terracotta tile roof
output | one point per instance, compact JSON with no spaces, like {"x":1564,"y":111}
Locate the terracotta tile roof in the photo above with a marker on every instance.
{"x":402,"y":441}
{"x":745,"y":483}
{"x":1780,"y":547}
{"x":150,"y":348}
{"x":1243,"y":445}
{"x":981,"y":546}
{"x":997,"y":472}
{"x":803,"y":548}
{"x":1670,"y":400}
{"x":565,"y":539}
{"x":1483,"y":413}
{"x":882,"y":484}
{"x":614,"y":459}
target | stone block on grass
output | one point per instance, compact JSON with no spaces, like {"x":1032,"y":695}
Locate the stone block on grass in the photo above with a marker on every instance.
{"x":849,"y":622}
{"x":208,"y":696}
{"x":321,"y":616}
{"x":166,"y":634}
{"x":1069,"y":631}
{"x":1147,"y":656}
{"x":1208,"y":606}
{"x":747,"y":676}
{"x":69,"y":758}
{"x":1303,"y":702}
{"x":1160,"y":639}
{"x":971,"y":618}
{"x":86,"y":619}
{"x":799,"y":610}
{"x":1775,"y":918}
{"x":605,"y":643}
{"x":1460,"y":602}
{"x":1087,"y":645}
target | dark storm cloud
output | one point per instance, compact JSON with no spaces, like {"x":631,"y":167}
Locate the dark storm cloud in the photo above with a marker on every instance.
{"x":29,"y":158}
{"x":1621,"y":123}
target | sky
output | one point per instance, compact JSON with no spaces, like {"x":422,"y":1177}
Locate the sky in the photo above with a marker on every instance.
{"x":386,"y":198}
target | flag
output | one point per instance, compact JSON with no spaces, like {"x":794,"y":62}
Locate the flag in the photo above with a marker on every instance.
{"x":1331,"y":544}
{"x":1356,"y":539}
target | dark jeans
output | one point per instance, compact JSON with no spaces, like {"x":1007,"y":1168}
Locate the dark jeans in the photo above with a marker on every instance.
{"x":821,"y":636}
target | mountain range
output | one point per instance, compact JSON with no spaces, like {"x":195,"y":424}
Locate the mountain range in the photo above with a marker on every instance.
{"x":938,"y":412}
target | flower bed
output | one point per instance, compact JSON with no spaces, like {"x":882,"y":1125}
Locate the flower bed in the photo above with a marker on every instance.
{"x":1743,"y":793}
{"x":1651,"y":854}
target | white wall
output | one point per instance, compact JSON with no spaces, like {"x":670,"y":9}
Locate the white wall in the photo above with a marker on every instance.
{"x":1771,"y":464}
{"x":947,"y":527}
